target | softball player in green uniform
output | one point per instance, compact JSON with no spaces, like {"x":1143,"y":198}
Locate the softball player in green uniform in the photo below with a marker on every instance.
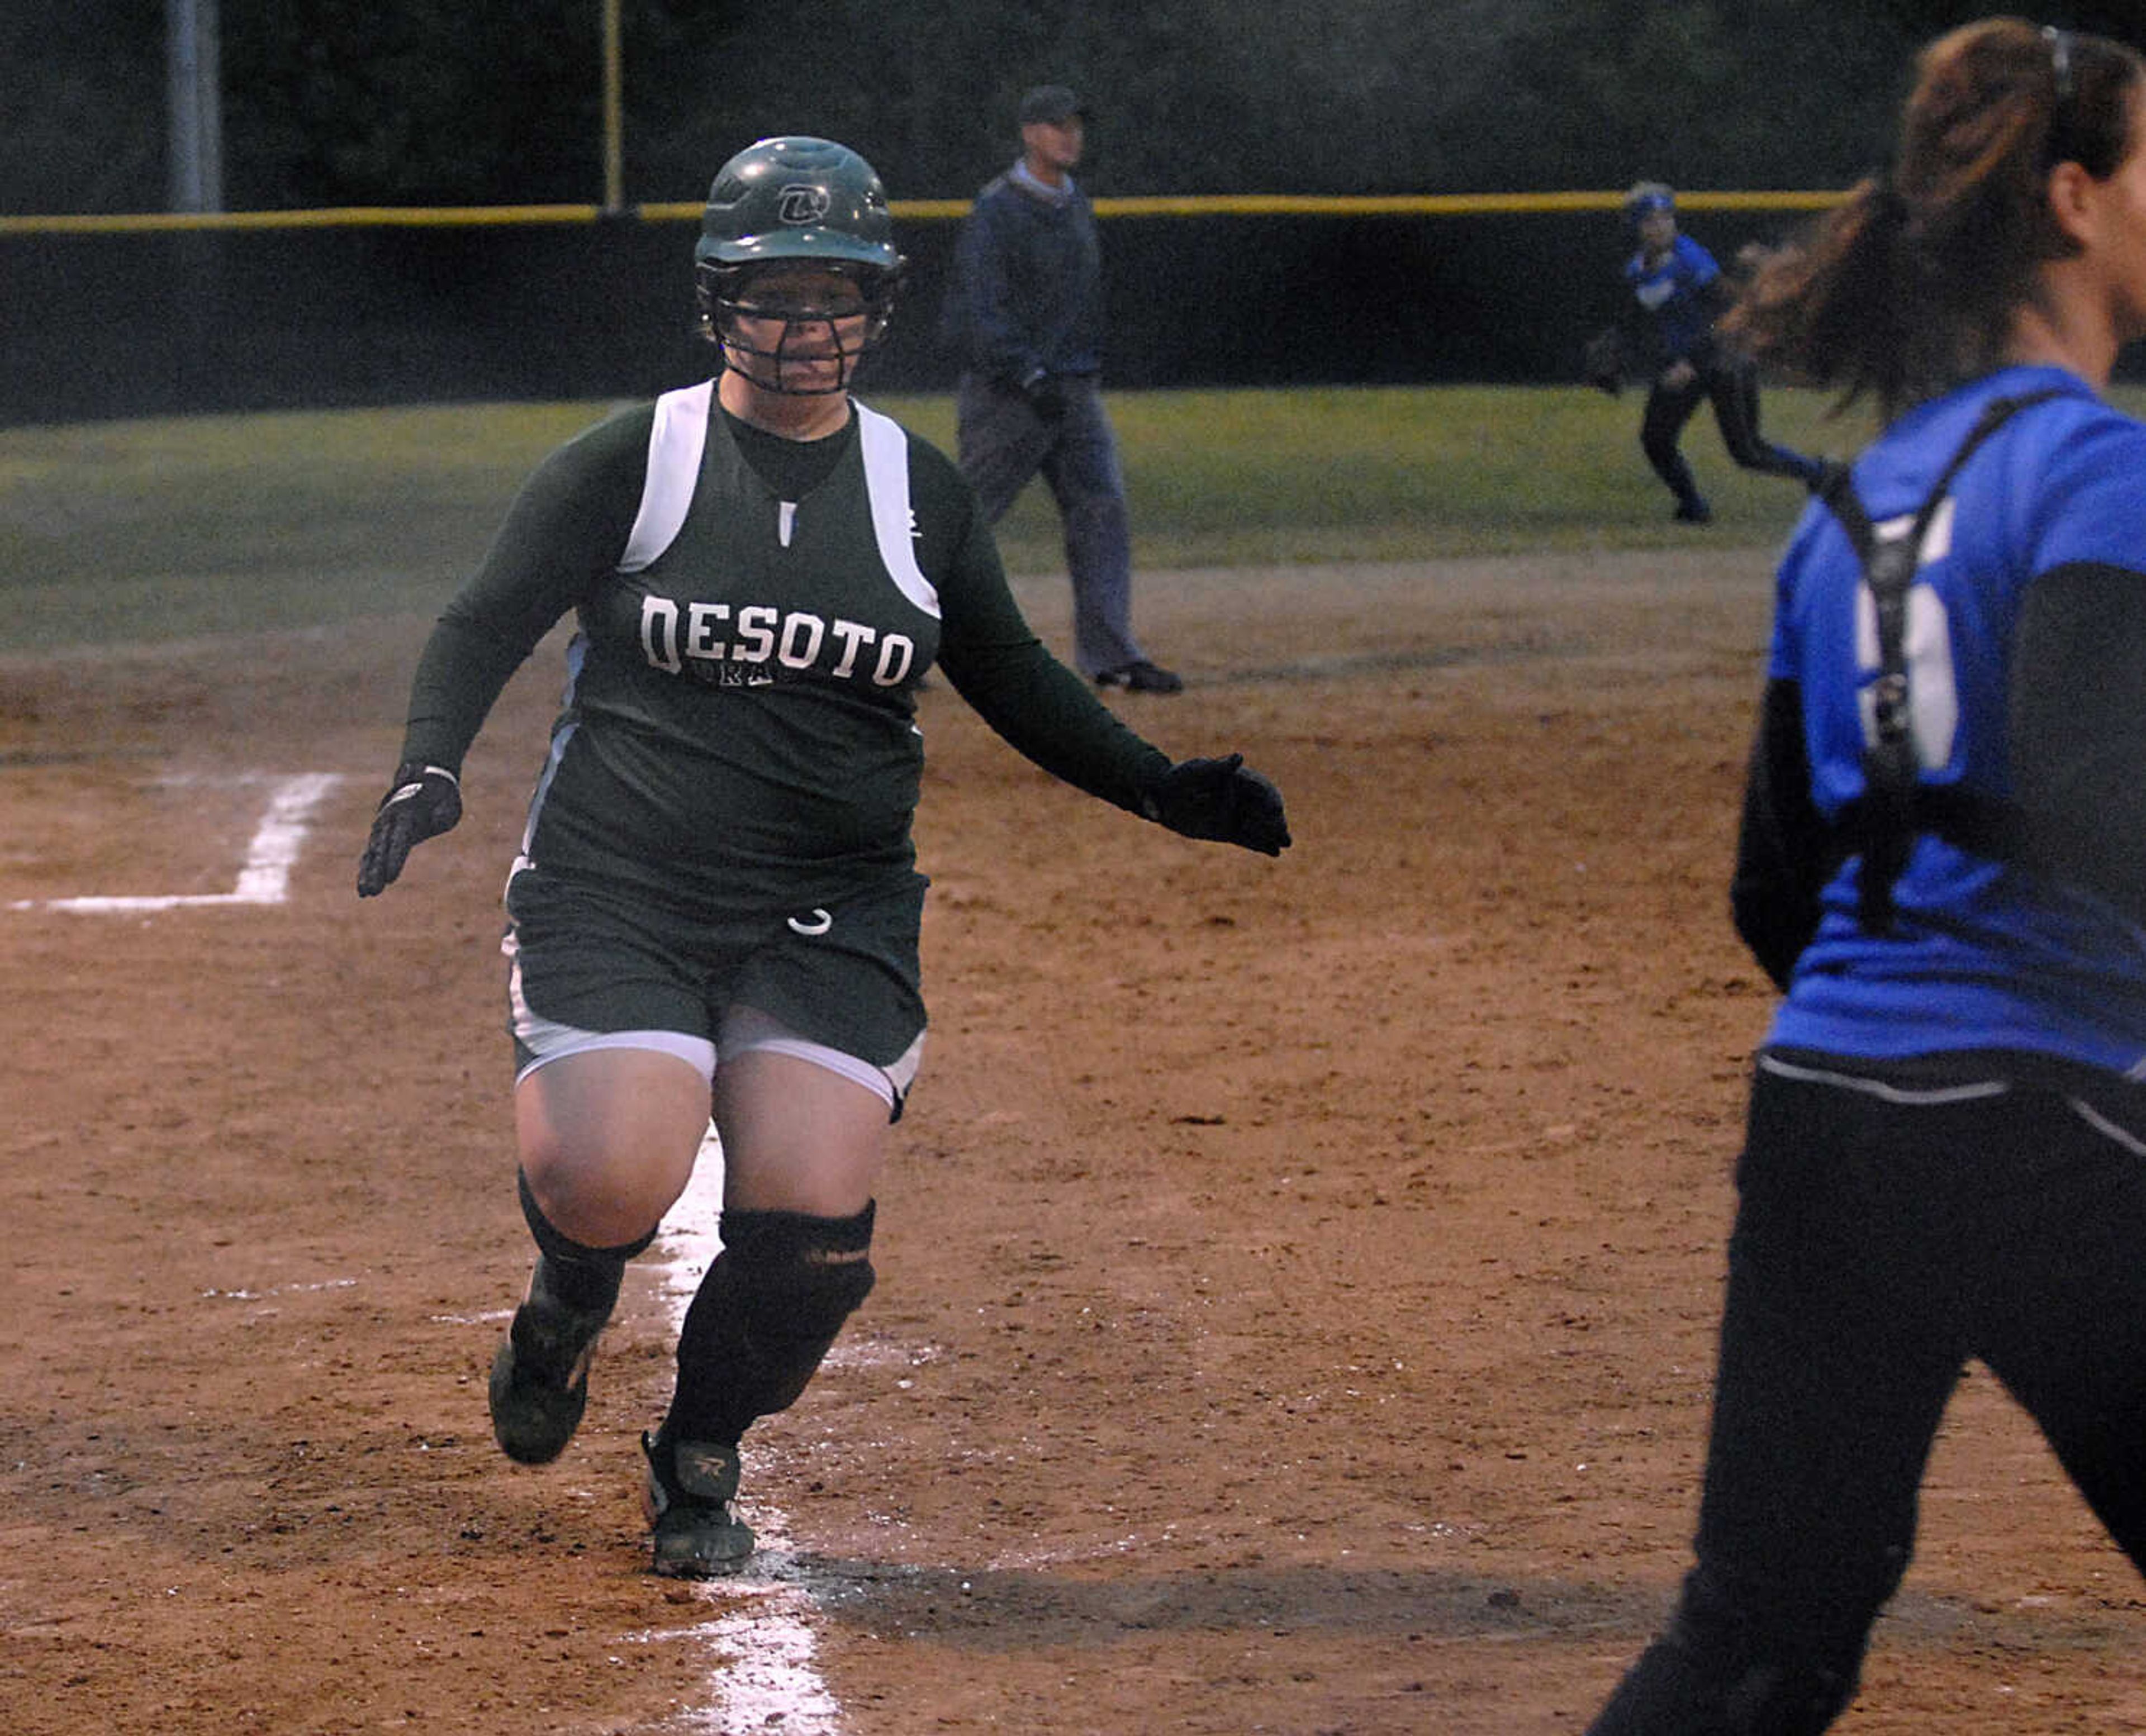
{"x":716,"y":905}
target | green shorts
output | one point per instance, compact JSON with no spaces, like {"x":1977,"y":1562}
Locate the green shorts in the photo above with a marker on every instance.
{"x":844,"y":976}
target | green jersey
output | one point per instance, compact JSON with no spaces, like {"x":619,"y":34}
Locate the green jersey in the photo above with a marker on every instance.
{"x":753,"y":616}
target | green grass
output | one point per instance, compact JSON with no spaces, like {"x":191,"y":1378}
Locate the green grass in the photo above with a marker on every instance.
{"x":126,"y":532}
{"x":123,"y":531}
{"x":1238,"y":478}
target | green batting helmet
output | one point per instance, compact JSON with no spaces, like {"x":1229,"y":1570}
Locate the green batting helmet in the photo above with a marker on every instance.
{"x":797,"y":198}
{"x":789,"y":201}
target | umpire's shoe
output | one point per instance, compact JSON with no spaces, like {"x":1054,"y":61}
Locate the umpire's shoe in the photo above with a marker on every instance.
{"x":690,"y":1486}
{"x":1141,"y":676}
{"x":540,"y":1378}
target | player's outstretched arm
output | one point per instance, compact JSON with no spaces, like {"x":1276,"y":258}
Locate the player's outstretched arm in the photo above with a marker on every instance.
{"x":422,"y":802}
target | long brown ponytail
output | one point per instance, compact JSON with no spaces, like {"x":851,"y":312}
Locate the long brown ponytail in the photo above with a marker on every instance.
{"x":1908,"y":285}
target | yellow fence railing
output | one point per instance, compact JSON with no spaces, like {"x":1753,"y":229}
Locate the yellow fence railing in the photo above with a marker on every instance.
{"x":924,"y":210}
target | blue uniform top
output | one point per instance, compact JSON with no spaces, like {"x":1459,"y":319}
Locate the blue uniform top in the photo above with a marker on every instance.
{"x":1676,"y":296}
{"x":1985,"y":954}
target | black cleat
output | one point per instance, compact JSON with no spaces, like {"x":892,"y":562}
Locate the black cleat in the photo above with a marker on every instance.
{"x":690,"y":1486}
{"x":1694,"y":512}
{"x":540,"y":1380}
{"x":1141,"y":676}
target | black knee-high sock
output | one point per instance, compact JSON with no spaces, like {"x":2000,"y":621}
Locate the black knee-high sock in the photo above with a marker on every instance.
{"x":765,"y":1313}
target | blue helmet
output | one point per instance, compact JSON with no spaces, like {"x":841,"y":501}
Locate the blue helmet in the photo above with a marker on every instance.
{"x":1647,"y":198}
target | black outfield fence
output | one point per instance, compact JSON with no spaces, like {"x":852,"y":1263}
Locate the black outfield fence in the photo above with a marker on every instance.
{"x":145,"y":316}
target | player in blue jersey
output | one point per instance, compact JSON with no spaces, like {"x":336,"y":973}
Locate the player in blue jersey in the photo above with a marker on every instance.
{"x":716,"y":905}
{"x":1943,"y":862}
{"x":1675,"y":291}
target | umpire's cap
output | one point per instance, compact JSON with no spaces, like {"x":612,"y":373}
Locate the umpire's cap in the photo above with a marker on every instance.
{"x":1053,"y":104}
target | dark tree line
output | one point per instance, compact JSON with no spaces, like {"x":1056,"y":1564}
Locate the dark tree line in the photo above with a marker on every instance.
{"x":482,"y":101}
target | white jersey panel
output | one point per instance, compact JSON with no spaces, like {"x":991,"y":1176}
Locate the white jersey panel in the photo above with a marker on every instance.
{"x":886,"y":479}
{"x":676,"y":439}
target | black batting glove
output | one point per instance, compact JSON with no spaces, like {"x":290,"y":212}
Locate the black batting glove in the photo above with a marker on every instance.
{"x":1222,"y":800}
{"x":423,"y":802}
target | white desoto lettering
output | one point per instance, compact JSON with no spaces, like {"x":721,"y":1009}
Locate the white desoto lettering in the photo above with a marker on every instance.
{"x":854,"y":636}
{"x":702,"y":621}
{"x":659,"y":632}
{"x":895,"y":655}
{"x":801,"y":637}
{"x":674,"y":633}
{"x":755,"y":629}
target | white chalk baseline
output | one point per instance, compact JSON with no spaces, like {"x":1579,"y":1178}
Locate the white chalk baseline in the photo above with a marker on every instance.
{"x":265,"y":878}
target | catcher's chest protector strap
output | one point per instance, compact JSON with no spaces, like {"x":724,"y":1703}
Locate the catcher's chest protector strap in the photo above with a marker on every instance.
{"x":1882,"y":824}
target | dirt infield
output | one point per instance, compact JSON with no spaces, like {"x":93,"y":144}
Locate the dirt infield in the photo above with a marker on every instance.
{"x":1298,"y":1279}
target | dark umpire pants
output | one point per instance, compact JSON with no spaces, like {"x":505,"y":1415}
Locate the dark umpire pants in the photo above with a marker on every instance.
{"x":1889,"y":1230}
{"x":1731,"y":385}
{"x":1004,"y":442}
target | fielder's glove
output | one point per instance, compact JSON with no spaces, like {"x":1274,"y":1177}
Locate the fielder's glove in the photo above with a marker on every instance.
{"x":423,"y":802}
{"x":1224,"y":799}
{"x":1602,"y":362}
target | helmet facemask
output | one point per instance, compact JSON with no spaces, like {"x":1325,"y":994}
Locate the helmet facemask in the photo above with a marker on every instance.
{"x":814,"y":210}
{"x":781,"y":339}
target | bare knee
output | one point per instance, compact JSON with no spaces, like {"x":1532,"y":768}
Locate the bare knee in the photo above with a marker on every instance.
{"x":607,"y":1140}
{"x":603,"y":1204}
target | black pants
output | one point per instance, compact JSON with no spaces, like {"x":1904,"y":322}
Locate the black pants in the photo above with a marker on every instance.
{"x":1731,"y":385}
{"x":1887,"y":1232}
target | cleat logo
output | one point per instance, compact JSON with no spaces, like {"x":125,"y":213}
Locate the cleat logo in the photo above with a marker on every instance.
{"x":709,"y":1464}
{"x":800,"y":202}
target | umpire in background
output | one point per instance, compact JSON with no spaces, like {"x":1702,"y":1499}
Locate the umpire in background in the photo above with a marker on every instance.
{"x":1025,"y":315}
